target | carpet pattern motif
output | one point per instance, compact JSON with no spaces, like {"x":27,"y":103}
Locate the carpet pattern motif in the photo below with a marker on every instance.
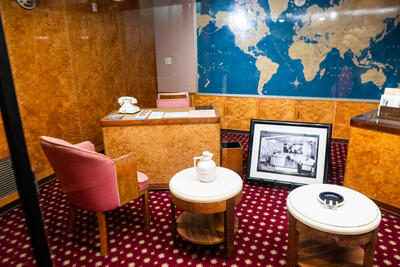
{"x":261,"y":239}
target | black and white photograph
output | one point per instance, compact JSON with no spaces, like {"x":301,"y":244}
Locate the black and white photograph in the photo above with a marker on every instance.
{"x":288,"y":152}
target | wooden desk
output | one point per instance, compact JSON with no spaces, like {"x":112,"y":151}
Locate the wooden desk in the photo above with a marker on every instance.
{"x":162,"y":146}
{"x":373,"y":160}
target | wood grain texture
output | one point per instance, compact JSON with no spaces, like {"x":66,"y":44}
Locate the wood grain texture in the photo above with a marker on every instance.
{"x":236,"y":112}
{"x":203,"y":229}
{"x":371,"y":121}
{"x":8,"y":199}
{"x":315,"y":111}
{"x":217,"y":101}
{"x":293,"y":242}
{"x":163,"y":150}
{"x":199,"y":223}
{"x":276,"y":109}
{"x":146,"y":209}
{"x":372,"y":165}
{"x":96,"y":53}
{"x":230,"y":227}
{"x":344,"y":111}
{"x":232,"y":158}
{"x":43,"y":75}
{"x":239,"y":111}
{"x":316,"y":246}
{"x":128,"y":186}
{"x":203,"y":208}
{"x":70,"y":65}
{"x":334,"y":239}
{"x":101,"y":219}
{"x":138,"y":47}
{"x":192,"y":97}
{"x":4,"y":152}
{"x":312,"y":253}
{"x":128,"y":119}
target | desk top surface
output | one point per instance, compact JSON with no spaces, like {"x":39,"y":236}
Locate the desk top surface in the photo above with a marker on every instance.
{"x":357,"y":215}
{"x":130,"y":120}
{"x":187,"y":186}
{"x":370,"y":121}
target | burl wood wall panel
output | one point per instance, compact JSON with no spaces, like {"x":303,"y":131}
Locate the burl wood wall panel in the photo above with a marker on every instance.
{"x":237,"y":112}
{"x":276,"y":109}
{"x":43,"y":74}
{"x":344,"y":112}
{"x":372,"y":165}
{"x":3,"y":141}
{"x":97,"y":57}
{"x":314,"y":111}
{"x":71,"y":64}
{"x":163,"y":150}
{"x":139,"y":54}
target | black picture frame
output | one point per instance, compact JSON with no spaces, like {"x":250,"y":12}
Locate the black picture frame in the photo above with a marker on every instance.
{"x":295,"y":153}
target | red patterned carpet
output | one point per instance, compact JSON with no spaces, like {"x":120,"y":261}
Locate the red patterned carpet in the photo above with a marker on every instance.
{"x":261,"y":239}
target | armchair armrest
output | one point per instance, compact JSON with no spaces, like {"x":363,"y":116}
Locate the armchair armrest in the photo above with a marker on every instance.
{"x":128,"y":186}
{"x":86,"y":145}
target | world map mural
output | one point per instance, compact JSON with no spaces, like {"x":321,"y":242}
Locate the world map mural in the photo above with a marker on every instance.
{"x":298,"y":48}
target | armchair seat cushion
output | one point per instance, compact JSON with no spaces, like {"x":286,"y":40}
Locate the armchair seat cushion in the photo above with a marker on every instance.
{"x":143,"y":180}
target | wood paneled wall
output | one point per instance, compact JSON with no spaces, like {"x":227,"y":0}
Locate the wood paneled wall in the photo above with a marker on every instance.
{"x":70,"y":65}
{"x":236,"y":112}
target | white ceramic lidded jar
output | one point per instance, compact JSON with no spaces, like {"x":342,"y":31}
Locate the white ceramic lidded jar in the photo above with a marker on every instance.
{"x":205,"y":167}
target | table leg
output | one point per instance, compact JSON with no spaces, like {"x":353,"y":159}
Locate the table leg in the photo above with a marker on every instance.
{"x":229,"y":231}
{"x":370,"y":249}
{"x":173,"y":219}
{"x":293,"y":242}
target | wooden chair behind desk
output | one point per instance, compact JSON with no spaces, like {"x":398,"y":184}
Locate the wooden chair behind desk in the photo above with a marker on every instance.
{"x":173,"y":100}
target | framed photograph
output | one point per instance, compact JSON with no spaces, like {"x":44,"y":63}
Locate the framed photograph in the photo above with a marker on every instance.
{"x":288,"y":152}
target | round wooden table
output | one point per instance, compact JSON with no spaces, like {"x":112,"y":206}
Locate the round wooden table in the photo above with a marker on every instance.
{"x":353,"y":224}
{"x":208,"y":216}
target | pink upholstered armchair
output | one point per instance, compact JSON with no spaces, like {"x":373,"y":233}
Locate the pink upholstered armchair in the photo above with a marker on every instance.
{"x":95,"y":182}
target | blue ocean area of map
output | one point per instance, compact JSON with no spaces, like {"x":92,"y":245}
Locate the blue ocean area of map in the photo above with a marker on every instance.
{"x":225,"y":69}
{"x":225,"y":65}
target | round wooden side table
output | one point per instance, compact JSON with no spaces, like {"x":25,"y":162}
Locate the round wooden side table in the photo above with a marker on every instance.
{"x":350,"y":225}
{"x":209,"y":207}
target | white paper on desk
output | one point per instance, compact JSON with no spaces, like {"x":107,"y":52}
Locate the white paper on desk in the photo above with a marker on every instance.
{"x":176,"y":114}
{"x":202,"y":113}
{"x":142,"y":114}
{"x":156,"y":115}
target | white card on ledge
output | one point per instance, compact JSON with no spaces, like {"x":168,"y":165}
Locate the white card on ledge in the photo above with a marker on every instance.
{"x":156,"y":115}
{"x":176,"y":114}
{"x":204,"y":113}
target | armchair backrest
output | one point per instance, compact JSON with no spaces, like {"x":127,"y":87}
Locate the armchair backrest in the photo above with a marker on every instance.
{"x":88,"y":178}
{"x":173,"y":100}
